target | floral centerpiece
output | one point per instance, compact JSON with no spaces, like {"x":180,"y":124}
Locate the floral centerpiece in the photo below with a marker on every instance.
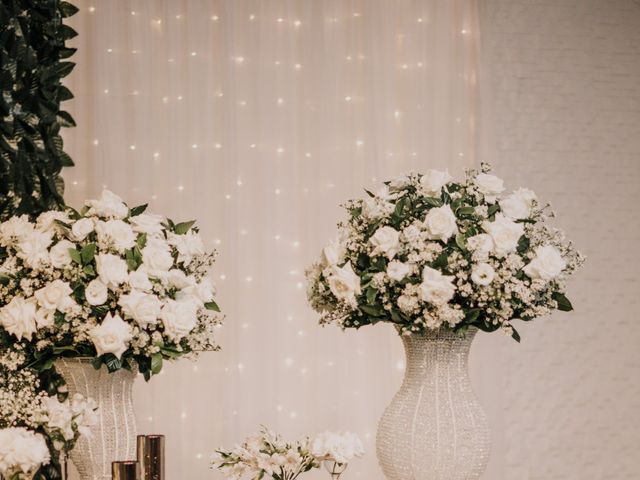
{"x":426,"y":252}
{"x":109,"y":287}
{"x":440,"y":259}
{"x":36,"y":428}
{"x":109,"y":282}
{"x":266,"y":454}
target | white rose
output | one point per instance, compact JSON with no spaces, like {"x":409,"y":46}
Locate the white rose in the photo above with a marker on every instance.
{"x":490,"y":186}
{"x":112,"y":270}
{"x":156,"y":257}
{"x":142,"y":307}
{"x":140,"y":281}
{"x":200,"y":293}
{"x":188,"y":245}
{"x":55,"y":296}
{"x":116,"y":233}
{"x":13,"y":228}
{"x":375,"y":208}
{"x":433,"y":181}
{"x":46,"y":221}
{"x":111,"y":336}
{"x":483,"y":274}
{"x":399,"y":182}
{"x":436,"y":288}
{"x":386,"y":241}
{"x":82,"y":228}
{"x":18,"y":317}
{"x":179,"y":318}
{"x":147,"y":223}
{"x":441,"y":223}
{"x":344,"y":283}
{"x":385,"y":193}
{"x":333,"y":253}
{"x":33,"y":248}
{"x":96,"y":292}
{"x":109,"y":205}
{"x":481,"y":243}
{"x":546,"y":265}
{"x":398,"y":270}
{"x":504,"y":233}
{"x":518,"y":205}
{"x":21,"y":451}
{"x":178,"y":279}
{"x":59,"y":254}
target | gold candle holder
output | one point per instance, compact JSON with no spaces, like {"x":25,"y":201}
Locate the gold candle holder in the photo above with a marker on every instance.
{"x":127,"y":470}
{"x":151,"y":457}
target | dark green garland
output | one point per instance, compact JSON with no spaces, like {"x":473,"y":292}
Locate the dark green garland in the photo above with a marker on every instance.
{"x":32,"y":64}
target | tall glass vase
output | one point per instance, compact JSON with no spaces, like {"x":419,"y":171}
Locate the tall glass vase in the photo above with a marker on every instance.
{"x":434,"y":428}
{"x":113,"y":437}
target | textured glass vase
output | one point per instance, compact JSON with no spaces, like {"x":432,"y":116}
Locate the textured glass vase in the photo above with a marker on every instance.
{"x":113,"y":437}
{"x":434,"y":428}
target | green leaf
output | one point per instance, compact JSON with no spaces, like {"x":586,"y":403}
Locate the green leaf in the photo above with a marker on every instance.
{"x":466,"y":211}
{"x":523,"y":244}
{"x":371,"y":293}
{"x":442,"y":261}
{"x":461,"y":241}
{"x":212,"y":306}
{"x":88,"y":252}
{"x":182,"y":228}
{"x":156,"y":363}
{"x":4,"y":279}
{"x":564,"y":304}
{"x":493,"y":209}
{"x":141,"y":241}
{"x":75,"y":256}
{"x":515,"y":335}
{"x":432,"y":201}
{"x":472,"y":315}
{"x":371,"y":310}
{"x":89,"y":270}
{"x":138,"y":210}
{"x":67,"y":9}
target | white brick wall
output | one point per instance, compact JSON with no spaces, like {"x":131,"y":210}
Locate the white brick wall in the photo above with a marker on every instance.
{"x":565,"y":114}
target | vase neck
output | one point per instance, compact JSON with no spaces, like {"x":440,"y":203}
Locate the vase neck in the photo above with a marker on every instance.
{"x":426,"y":350}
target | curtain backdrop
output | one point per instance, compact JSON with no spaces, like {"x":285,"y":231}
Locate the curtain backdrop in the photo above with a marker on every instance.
{"x":258,"y":119}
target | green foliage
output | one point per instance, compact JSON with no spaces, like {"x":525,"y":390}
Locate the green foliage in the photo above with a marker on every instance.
{"x":32,"y":53}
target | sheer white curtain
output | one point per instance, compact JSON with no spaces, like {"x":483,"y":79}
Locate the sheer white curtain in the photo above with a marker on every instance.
{"x":258,"y":119}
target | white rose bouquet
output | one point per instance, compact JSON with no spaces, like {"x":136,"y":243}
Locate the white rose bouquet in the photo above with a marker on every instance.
{"x":36,"y":428}
{"x":426,"y":252}
{"x":109,"y":282}
{"x":266,"y":455}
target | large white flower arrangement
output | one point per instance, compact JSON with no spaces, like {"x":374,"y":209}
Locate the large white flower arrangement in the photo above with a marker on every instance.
{"x":108,"y":282}
{"x":426,"y":252}
{"x":35,"y":427}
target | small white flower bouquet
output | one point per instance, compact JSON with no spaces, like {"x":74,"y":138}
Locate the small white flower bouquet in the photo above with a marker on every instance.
{"x":266,"y":455}
{"x":426,"y":252}
{"x":109,"y":282}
